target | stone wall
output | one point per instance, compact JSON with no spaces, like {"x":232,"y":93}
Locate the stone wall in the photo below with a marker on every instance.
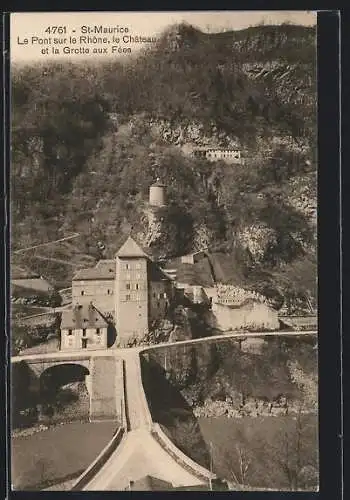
{"x":132,"y":304}
{"x":73,"y":341}
{"x":107,"y":389}
{"x":99,"y":292}
{"x":253,"y":315}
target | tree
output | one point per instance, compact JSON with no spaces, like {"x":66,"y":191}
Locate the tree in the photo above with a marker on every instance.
{"x":297,"y":454}
{"x":238,"y":464}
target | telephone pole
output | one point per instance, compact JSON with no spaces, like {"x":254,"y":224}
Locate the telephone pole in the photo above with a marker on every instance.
{"x":211,"y":466}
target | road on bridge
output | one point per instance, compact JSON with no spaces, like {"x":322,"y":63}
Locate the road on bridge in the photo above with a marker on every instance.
{"x":139,"y":454}
{"x":120,"y":351}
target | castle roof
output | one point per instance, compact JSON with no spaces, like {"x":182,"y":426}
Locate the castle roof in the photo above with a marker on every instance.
{"x":104,"y":270}
{"x":150,"y":483}
{"x":82,"y":316}
{"x":158,"y":184}
{"x":131,"y":249}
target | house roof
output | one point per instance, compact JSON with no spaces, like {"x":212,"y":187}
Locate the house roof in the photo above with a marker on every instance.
{"x":158,"y":184}
{"x":82,"y":316}
{"x":150,"y":483}
{"x":131,"y":249}
{"x":35,"y":284}
{"x":104,"y":269}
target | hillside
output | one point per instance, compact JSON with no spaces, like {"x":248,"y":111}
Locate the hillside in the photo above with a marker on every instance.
{"x":222,"y":397}
{"x":253,"y":90}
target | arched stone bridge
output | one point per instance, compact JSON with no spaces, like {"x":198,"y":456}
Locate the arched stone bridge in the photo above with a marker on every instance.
{"x":103,"y":375}
{"x":116,"y":390}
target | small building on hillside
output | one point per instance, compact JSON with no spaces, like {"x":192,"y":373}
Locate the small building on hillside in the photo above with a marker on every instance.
{"x":228,"y":155}
{"x":35,"y":285}
{"x":83,"y":327}
{"x":193,"y":258}
{"x":157,"y":194}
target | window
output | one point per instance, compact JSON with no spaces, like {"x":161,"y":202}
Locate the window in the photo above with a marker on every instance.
{"x":84,"y":332}
{"x":127,"y":297}
{"x":138,"y":265}
{"x":108,"y":292}
{"x":98,"y":331}
{"x":70,"y":332}
{"x":82,"y":292}
{"x":128,"y":286}
{"x":136,"y":286}
{"x":138,"y":276}
{"x":127,"y":266}
{"x":128,"y":276}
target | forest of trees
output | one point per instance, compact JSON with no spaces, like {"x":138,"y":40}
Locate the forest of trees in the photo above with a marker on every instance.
{"x":73,"y":169}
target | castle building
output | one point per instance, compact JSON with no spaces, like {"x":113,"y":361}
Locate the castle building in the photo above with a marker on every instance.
{"x":131,"y":291}
{"x":157,"y":194}
{"x":130,"y":288}
{"x":83,"y":327}
{"x":215,"y":154}
{"x":97,"y":285}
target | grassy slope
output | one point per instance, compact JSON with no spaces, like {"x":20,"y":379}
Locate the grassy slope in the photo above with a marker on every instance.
{"x":262,"y":440}
{"x":56,"y":454}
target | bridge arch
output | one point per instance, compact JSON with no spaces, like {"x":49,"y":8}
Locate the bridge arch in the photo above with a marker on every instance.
{"x":64,"y":373}
{"x":63,"y":384}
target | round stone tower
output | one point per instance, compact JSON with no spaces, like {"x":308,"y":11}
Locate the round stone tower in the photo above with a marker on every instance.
{"x":157,"y":194}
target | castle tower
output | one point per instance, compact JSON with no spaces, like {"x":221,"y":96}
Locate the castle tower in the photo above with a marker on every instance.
{"x":157,"y":194}
{"x":131,"y":307}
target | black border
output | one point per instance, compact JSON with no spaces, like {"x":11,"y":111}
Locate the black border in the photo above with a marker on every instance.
{"x":329,"y":265}
{"x":329,"y":254}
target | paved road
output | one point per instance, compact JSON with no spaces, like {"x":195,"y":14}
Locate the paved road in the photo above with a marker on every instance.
{"x":139,"y":454}
{"x":49,"y":310}
{"x":74,"y":235}
{"x":119,"y":352}
{"x":138,"y":414}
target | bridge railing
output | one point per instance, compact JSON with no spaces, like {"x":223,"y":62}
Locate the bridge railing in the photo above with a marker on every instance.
{"x":124,"y":410}
{"x":99,"y":462}
{"x":144,"y":402}
{"x":183,"y":460}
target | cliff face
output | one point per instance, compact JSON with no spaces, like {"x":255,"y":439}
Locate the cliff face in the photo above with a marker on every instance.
{"x":252,"y":90}
{"x":278,"y":372}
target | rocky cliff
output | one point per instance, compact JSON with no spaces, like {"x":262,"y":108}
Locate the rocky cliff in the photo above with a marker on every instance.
{"x":252,"y":90}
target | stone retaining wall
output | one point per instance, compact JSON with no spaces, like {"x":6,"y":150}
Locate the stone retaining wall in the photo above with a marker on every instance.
{"x":183,"y":460}
{"x":99,"y":462}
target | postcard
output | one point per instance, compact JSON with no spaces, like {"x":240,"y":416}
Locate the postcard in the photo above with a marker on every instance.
{"x":164,"y":251}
